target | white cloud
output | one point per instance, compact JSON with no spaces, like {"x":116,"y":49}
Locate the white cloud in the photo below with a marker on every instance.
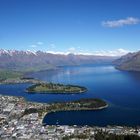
{"x":121,"y":22}
{"x":52,"y":46}
{"x":79,"y":51}
{"x":58,"y":52}
{"x":118,"y":52}
{"x":72,"y":49}
{"x":39,"y":43}
{"x":33,"y":46}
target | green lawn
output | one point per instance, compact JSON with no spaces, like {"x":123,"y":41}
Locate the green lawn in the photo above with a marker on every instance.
{"x":7,"y":74}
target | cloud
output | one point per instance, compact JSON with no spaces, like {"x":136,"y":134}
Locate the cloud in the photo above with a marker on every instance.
{"x":118,"y":52}
{"x":121,"y":22}
{"x":79,"y":51}
{"x":33,"y":46}
{"x":58,"y":52}
{"x":115,"y":53}
{"x":39,"y":43}
{"x":72,"y":49}
{"x":52,"y":46}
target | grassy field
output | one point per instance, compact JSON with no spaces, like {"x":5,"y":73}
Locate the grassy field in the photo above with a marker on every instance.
{"x":7,"y":74}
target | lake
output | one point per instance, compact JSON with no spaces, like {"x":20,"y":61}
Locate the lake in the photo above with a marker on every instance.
{"x":120,"y":89}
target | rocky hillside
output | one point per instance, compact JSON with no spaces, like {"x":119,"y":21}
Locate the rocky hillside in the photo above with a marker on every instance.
{"x":28,"y":61}
{"x":129,"y":62}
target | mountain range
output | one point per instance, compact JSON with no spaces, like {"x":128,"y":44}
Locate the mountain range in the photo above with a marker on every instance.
{"x":33,"y":61}
{"x":39,"y":60}
{"x":129,"y":62}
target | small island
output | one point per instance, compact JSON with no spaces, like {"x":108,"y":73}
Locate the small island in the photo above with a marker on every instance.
{"x":55,"y":88}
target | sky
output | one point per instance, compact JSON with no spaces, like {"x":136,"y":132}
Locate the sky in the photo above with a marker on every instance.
{"x":102,"y":27}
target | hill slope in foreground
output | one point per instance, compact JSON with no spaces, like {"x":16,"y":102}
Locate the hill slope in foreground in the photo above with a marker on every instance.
{"x":129,"y":62}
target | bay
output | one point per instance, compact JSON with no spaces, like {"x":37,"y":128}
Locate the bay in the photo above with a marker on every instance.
{"x":120,"y":89}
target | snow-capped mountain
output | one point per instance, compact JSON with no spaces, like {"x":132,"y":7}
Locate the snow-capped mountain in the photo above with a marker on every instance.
{"x":23,"y":60}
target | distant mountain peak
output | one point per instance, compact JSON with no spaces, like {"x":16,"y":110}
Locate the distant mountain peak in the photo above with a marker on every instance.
{"x":39,"y":60}
{"x":130,"y":62}
{"x":14,"y":52}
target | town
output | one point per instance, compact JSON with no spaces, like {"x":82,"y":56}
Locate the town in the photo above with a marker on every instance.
{"x":17,"y":123}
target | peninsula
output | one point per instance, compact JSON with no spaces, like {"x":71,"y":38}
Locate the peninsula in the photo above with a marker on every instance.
{"x":20,"y":119}
{"x":78,"y":105}
{"x":19,"y":80}
{"x":55,"y":88}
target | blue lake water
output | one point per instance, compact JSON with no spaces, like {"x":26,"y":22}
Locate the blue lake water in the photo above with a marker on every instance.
{"x":120,"y":89}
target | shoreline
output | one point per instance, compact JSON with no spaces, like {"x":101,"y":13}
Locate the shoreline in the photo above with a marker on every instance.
{"x":21,"y":81}
{"x":55,"y":88}
{"x":41,"y":118}
{"x":21,"y":119}
{"x":37,"y":81}
{"x":47,"y":108}
{"x":57,"y":111}
{"x":72,"y":109}
{"x":56,"y":93}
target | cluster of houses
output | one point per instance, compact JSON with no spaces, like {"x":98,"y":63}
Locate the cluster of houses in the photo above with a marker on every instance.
{"x":14,"y":124}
